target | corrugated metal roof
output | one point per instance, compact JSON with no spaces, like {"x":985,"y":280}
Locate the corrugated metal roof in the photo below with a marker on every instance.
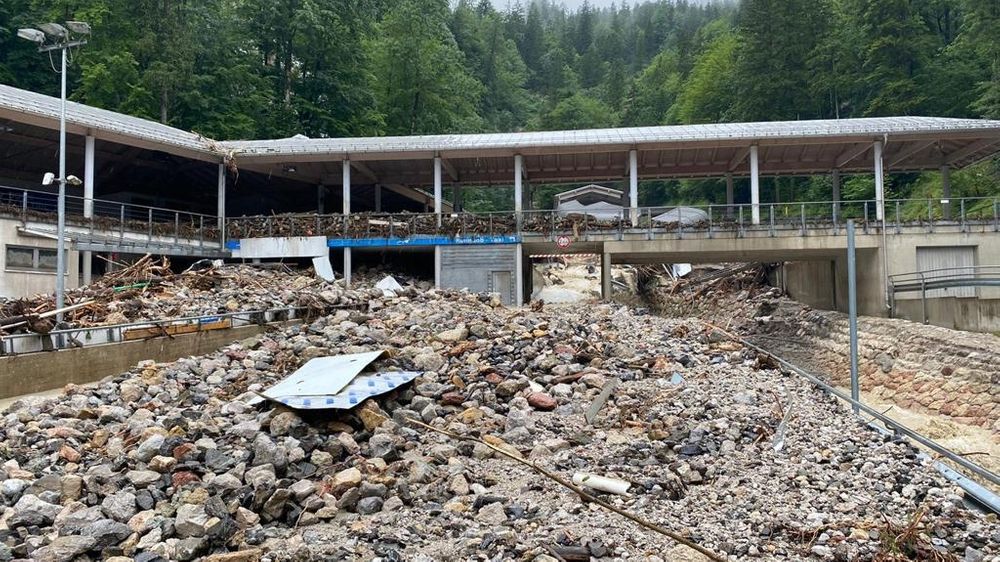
{"x":47,"y":107}
{"x":866,"y":128}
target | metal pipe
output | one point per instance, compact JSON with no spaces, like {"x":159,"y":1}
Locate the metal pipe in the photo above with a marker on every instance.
{"x":852,"y":310}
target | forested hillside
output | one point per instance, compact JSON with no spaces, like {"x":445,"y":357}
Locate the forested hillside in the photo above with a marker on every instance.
{"x":275,"y":68}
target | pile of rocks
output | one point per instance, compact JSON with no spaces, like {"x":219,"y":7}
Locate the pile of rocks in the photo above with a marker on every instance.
{"x":921,"y":367}
{"x":214,"y":290}
{"x":167,"y":462}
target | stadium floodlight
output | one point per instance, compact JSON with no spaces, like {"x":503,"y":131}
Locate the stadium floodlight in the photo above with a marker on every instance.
{"x":54,"y":30}
{"x":55,"y":37}
{"x":33,"y":35}
{"x":79,"y":27}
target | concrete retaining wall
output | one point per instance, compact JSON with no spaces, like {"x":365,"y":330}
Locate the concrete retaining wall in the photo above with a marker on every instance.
{"x":38,"y":372}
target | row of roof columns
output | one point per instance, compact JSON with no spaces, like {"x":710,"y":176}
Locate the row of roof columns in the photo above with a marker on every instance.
{"x":519,"y":175}
{"x":633,"y":178}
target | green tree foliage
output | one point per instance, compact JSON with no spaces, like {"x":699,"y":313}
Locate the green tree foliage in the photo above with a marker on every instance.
{"x":578,"y":112}
{"x":709,"y":93}
{"x":772,"y":76}
{"x":424,"y":86}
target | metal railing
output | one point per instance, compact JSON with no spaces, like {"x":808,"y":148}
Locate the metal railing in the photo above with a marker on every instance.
{"x":804,"y":218}
{"x":941,"y":278}
{"x":112,"y":217}
{"x":29,"y":342}
{"x":373,"y":225}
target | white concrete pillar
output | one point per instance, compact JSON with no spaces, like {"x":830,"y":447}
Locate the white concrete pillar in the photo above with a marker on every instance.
{"x":88,"y":178}
{"x":321,"y":199}
{"x":946,"y":192}
{"x":730,"y":195}
{"x":519,"y":277}
{"x":378,"y":198}
{"x":754,"y":186}
{"x":221,"y":197}
{"x":437,"y":188}
{"x":836,"y":194}
{"x":606,"y":276}
{"x":347,"y":266}
{"x":518,"y":186}
{"x":346,"y":190}
{"x":346,"y":195}
{"x":633,"y":186}
{"x":879,"y":183}
{"x":88,"y":203}
{"x":437,"y":267}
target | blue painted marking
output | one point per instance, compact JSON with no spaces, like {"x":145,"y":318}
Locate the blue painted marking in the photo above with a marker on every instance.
{"x":306,"y":402}
{"x":422,"y":241}
{"x":232,"y":244}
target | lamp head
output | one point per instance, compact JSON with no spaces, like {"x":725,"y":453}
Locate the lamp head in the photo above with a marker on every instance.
{"x":33,"y":35}
{"x":79,"y":27}
{"x":54,"y":30}
{"x":73,"y":180}
{"x":48,"y":178}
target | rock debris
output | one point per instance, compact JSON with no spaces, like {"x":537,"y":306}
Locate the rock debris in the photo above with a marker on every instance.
{"x":167,"y":462}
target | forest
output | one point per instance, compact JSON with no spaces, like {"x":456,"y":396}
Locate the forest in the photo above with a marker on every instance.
{"x":328,"y":68}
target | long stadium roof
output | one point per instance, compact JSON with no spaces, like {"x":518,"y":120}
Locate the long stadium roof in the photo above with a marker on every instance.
{"x":38,"y":109}
{"x":785,"y":147}
{"x":631,"y":137}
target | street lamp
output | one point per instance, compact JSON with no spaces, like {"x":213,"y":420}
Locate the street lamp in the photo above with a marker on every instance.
{"x":55,"y":37}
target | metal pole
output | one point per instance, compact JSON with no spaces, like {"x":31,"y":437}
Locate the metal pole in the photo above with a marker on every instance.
{"x":852,"y":311}
{"x":61,"y":224}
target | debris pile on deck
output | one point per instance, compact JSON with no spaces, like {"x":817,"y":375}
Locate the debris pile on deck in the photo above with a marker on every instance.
{"x":175,"y":461}
{"x":149,"y":290}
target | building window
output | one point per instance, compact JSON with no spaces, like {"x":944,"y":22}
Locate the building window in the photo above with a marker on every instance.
{"x":25,"y":258}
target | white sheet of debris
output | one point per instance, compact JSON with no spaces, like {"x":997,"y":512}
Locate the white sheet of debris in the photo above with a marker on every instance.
{"x":322,"y":375}
{"x":389,"y":286}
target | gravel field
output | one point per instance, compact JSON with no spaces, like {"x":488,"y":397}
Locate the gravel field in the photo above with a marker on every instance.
{"x":167,"y":462}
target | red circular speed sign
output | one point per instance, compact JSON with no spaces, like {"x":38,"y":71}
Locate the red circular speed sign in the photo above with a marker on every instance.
{"x":563,"y":241}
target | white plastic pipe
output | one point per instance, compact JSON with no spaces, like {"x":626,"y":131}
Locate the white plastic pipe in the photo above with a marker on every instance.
{"x":602,"y":483}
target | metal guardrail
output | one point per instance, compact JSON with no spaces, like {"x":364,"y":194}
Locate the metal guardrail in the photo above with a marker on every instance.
{"x":941,"y":278}
{"x":981,"y":494}
{"x":733,"y":220}
{"x":112,"y":217}
{"x":17,"y":344}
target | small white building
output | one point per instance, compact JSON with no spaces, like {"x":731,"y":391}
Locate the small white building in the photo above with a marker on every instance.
{"x":597,"y":201}
{"x":28,"y":262}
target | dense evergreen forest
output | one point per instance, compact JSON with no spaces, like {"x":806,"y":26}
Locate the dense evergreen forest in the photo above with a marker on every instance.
{"x":275,"y":68}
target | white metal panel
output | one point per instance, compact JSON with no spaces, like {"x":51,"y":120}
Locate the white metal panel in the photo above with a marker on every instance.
{"x":947,"y":257}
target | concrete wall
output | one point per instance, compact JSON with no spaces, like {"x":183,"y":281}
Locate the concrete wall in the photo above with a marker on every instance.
{"x":809,"y":282}
{"x":15,"y":283}
{"x":476,"y":268}
{"x":977,"y":315}
{"x":38,"y":372}
{"x":282,"y":247}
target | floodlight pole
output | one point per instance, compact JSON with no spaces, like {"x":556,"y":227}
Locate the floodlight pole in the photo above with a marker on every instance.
{"x":63,"y":47}
{"x":61,"y":224}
